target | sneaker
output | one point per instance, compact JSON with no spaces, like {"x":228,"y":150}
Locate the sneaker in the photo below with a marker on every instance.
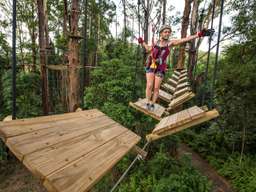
{"x":148,"y":106}
{"x":152,"y":107}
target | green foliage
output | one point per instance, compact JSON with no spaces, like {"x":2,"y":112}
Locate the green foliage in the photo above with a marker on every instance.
{"x":162,"y":174}
{"x":236,"y":94}
{"x":113,"y":85}
{"x":28,"y":94}
{"x":243,"y":175}
{"x":3,"y":153}
{"x":235,"y":99}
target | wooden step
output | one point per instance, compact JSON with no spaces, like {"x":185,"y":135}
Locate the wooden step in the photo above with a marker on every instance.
{"x":177,"y":73}
{"x":172,"y":82}
{"x":165,"y":96}
{"x":183,"y":71}
{"x":180,"y":100}
{"x":141,"y":105}
{"x":179,"y":118}
{"x":180,"y":121}
{"x":182,"y":85}
{"x":175,"y":77}
{"x":168,"y":87}
{"x":181,"y":92}
{"x":183,"y":75}
{"x":183,"y":80}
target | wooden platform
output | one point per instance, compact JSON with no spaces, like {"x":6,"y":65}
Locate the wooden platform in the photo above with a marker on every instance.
{"x":68,"y":152}
{"x":141,"y":106}
{"x":181,"y":120}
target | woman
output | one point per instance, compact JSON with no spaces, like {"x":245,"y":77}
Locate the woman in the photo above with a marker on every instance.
{"x":156,"y":61}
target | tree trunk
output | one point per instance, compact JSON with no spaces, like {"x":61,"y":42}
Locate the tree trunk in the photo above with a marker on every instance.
{"x":33,"y":39}
{"x":73,"y":70}
{"x":21,"y":46}
{"x":46,"y":25}
{"x":185,"y":23}
{"x":42,"y":47}
{"x":65,"y":31}
{"x":193,"y":29}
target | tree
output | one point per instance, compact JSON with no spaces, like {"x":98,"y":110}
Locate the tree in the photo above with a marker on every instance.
{"x":73,"y":59}
{"x":193,"y":29}
{"x":43,"y":59}
{"x":185,"y":23}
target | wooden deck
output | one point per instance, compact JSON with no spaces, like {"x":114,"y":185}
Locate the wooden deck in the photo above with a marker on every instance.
{"x":141,"y":106}
{"x":181,"y":120}
{"x":68,"y":152}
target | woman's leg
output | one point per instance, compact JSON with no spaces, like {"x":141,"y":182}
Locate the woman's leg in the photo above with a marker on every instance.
{"x":150,"y":83}
{"x":158,"y":80}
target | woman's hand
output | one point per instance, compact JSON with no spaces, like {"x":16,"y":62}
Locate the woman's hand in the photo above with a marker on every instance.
{"x":205,"y":32}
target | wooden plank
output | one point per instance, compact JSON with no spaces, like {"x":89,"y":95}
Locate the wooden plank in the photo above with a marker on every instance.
{"x":165,"y":96}
{"x":51,"y":159}
{"x":161,"y":123}
{"x":81,"y":175}
{"x":168,"y":87}
{"x":172,"y":82}
{"x":175,"y":77}
{"x":183,"y":75}
{"x":208,"y":116}
{"x":19,"y":127}
{"x":181,"y":92}
{"x":166,"y":123}
{"x":49,"y":118}
{"x":178,"y":119}
{"x":177,"y":73}
{"x":196,"y":112}
{"x":183,"y":80}
{"x":38,"y":140}
{"x":182,"y":85}
{"x":180,"y":100}
{"x":182,"y":118}
{"x":141,"y":106}
{"x":183,"y":71}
